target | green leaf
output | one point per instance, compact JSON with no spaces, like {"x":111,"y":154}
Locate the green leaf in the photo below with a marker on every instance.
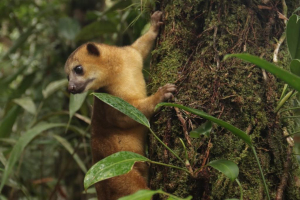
{"x":229,"y":168}
{"x":8,"y":121}
{"x":141,"y":195}
{"x":147,"y":194}
{"x":178,"y":198}
{"x":297,"y":10}
{"x":283,"y":91}
{"x":203,"y":129}
{"x":8,"y":141}
{"x":116,"y":5}
{"x":3,"y":159}
{"x":146,"y":28}
{"x":53,"y":87}
{"x":76,"y":101}
{"x":241,"y":134}
{"x":282,"y":74}
{"x":295,"y":67}
{"x":293,"y":36}
{"x":70,"y":149}
{"x":20,"y":41}
{"x":68,"y":28}
{"x":21,"y":144}
{"x":95,"y":30}
{"x":24,"y":85}
{"x":8,"y":79}
{"x":123,"y":107}
{"x":26,"y":103}
{"x":111,"y":166}
{"x":119,"y":5}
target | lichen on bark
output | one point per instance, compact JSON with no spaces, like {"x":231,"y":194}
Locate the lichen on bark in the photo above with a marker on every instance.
{"x":189,"y":52}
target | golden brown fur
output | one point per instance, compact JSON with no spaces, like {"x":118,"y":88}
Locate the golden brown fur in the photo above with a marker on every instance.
{"x":117,"y":71}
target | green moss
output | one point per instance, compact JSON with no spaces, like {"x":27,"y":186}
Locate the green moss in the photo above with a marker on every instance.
{"x":197,"y":34}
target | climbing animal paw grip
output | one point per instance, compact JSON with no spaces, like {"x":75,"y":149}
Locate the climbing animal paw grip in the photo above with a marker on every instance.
{"x":156,"y":20}
{"x":166,"y":92}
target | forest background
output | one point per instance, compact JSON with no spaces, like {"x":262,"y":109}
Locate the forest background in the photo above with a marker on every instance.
{"x":45,"y":132}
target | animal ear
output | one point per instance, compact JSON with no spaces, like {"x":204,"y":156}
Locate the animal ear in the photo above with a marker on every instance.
{"x":93,"y":49}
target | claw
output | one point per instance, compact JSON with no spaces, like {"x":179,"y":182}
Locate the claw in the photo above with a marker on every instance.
{"x":166,"y":92}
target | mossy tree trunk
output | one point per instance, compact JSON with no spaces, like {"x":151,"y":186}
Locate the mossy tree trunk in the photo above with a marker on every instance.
{"x":189,"y":52}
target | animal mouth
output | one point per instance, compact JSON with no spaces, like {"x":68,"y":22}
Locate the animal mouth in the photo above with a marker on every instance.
{"x":79,"y":87}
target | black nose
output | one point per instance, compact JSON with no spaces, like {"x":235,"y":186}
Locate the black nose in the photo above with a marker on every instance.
{"x":72,"y":88}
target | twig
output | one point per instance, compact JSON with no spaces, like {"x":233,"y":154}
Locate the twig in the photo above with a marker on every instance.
{"x":263,"y":70}
{"x":280,"y":41}
{"x":209,"y":146}
{"x":284,"y":10}
{"x":282,"y":38}
{"x":183,"y":122}
{"x":215,"y":47}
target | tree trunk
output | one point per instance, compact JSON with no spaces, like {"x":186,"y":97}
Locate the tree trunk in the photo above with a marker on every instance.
{"x":189,"y":52}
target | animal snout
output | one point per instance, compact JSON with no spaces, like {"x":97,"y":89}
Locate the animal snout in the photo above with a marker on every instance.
{"x":72,"y":88}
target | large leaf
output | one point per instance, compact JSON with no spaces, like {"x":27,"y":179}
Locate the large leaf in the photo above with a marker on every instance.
{"x":76,"y":101}
{"x":289,"y":78}
{"x":53,"y":87}
{"x":70,"y":149}
{"x":20,"y":145}
{"x":295,"y":67}
{"x":123,"y":107}
{"x":228,"y":168}
{"x":241,"y":134}
{"x":26,"y":103}
{"x":111,"y":166}
{"x":147,"y":194}
{"x":203,"y":129}
{"x":8,"y":121}
{"x":293,"y":36}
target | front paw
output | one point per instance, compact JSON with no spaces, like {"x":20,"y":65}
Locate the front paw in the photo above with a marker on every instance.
{"x":156,"y":20}
{"x":166,"y":92}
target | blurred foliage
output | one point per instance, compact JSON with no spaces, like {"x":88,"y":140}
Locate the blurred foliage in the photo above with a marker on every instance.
{"x":41,"y":155}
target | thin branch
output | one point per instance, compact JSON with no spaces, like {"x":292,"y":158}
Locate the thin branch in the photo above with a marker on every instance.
{"x":183,"y":122}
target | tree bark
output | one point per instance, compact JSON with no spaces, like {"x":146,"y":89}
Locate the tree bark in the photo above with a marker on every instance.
{"x":189,"y":52}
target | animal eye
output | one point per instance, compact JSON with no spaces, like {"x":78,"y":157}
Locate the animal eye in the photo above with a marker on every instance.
{"x":78,"y":70}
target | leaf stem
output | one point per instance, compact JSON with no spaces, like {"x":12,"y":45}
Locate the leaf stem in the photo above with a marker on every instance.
{"x":184,"y":147}
{"x":241,"y":188}
{"x":297,"y":116}
{"x":170,"y":195}
{"x":166,"y":146}
{"x":172,"y":166}
{"x":283,"y":91}
{"x":292,"y":134}
{"x":261,"y":172}
{"x":294,"y":108}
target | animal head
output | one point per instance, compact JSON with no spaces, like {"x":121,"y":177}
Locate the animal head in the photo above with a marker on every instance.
{"x":86,"y":68}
